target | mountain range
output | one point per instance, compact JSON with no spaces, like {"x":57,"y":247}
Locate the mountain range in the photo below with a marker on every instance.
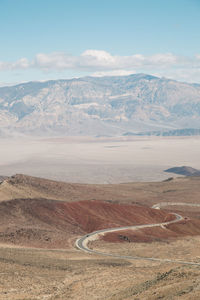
{"x":137,"y":104}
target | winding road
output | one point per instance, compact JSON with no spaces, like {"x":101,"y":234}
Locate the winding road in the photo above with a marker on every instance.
{"x":82,"y":243}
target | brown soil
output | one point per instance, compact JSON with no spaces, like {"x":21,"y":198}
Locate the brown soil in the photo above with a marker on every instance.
{"x":178,"y":230}
{"x":72,"y":274}
{"x":50,"y":224}
{"x":142,"y":193}
{"x":40,"y":222}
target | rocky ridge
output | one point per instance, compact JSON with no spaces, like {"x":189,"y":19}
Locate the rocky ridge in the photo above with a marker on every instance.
{"x":108,"y":106}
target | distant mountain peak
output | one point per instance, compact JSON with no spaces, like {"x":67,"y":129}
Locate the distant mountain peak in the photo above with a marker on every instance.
{"x":99,"y":106}
{"x":184,"y":170}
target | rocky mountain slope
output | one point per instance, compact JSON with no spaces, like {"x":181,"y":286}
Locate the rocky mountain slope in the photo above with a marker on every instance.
{"x":135,"y":104}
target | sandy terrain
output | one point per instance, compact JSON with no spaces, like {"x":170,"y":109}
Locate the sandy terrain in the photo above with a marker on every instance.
{"x":148,"y":193}
{"x":35,"y":274}
{"x":62,"y":212}
{"x":88,"y":160}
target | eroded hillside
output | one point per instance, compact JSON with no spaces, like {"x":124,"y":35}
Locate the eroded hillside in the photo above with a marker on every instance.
{"x":45,"y":213}
{"x":38,"y":213}
{"x":51,"y":224}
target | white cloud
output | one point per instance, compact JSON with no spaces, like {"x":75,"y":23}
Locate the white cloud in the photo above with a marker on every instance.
{"x":22,"y":63}
{"x":100,"y":62}
{"x":55,"y":61}
{"x":90,"y":60}
{"x":114,"y":73}
{"x":163,"y":59}
{"x":97,"y":57}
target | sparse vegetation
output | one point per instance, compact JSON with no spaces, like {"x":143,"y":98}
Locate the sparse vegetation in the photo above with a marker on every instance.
{"x":33,"y":273}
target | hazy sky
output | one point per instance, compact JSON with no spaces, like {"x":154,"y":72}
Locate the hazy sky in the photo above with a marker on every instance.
{"x":51,"y":39}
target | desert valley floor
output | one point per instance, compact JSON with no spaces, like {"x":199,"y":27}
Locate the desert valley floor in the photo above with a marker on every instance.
{"x":98,"y":160}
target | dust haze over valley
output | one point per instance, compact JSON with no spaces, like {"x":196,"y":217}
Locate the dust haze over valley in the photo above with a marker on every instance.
{"x":98,"y":160}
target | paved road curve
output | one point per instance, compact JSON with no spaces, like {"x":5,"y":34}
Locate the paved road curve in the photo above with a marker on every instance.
{"x":82,"y":243}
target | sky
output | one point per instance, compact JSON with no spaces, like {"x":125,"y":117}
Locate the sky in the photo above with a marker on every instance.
{"x":54,"y":39}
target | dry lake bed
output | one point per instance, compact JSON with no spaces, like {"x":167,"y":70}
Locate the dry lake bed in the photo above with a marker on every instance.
{"x":98,"y":160}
